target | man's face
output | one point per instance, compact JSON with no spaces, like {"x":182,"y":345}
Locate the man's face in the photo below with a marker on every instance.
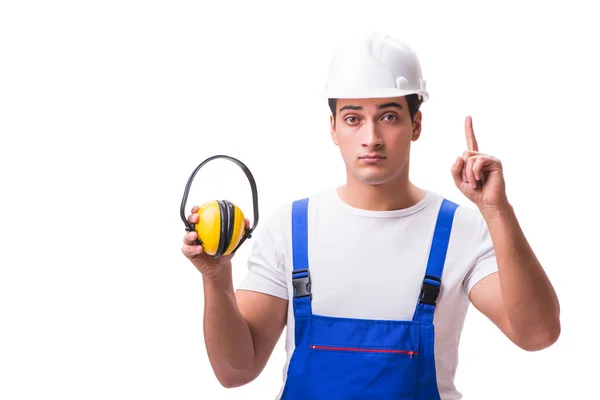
{"x":374,"y":137}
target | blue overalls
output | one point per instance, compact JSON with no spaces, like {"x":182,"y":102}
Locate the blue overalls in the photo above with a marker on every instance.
{"x":348,"y":358}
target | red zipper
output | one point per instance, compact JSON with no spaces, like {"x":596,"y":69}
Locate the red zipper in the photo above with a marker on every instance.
{"x":410,"y":353}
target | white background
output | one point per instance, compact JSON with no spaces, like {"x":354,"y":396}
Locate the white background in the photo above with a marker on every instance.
{"x":107,"y":107}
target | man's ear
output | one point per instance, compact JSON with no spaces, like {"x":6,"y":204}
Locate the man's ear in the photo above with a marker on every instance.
{"x":416,"y":133}
{"x":332,"y":129}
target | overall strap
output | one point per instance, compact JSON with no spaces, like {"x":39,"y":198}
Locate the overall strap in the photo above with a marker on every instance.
{"x":430,"y":288}
{"x":300,"y":273}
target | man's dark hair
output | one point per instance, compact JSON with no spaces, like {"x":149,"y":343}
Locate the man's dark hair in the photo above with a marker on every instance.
{"x":413,"y":101}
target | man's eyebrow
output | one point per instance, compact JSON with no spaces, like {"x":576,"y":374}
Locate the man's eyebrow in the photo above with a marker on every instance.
{"x":381,"y":106}
{"x":393,"y":104}
{"x":356,"y":108}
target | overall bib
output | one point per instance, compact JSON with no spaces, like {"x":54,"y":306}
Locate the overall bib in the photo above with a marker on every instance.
{"x":349,"y":358}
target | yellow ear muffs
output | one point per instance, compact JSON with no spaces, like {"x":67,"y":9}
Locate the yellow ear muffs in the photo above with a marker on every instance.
{"x":220,"y":226}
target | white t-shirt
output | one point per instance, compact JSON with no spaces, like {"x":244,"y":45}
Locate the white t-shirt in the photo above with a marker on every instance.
{"x":371,"y":264}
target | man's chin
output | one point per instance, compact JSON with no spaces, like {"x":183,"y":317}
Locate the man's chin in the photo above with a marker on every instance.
{"x":373,"y":179}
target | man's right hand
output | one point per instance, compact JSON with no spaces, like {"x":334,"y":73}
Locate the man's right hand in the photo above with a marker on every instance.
{"x":205,"y":263}
{"x":241,"y":328}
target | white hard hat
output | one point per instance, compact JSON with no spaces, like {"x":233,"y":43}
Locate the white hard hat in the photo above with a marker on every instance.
{"x":374,"y":66}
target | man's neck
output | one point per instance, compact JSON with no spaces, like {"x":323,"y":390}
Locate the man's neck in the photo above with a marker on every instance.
{"x":393,"y":195}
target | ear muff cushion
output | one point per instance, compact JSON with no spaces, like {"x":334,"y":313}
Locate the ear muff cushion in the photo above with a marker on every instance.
{"x":230,"y":223}
{"x":224,"y":224}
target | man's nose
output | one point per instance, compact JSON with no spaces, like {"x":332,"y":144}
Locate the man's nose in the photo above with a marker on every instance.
{"x":370,"y":135}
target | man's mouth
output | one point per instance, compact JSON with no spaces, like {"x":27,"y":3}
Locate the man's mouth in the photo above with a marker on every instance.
{"x":373,"y":157}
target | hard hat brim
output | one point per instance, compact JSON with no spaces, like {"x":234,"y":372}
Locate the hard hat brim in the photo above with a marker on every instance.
{"x":371,"y":93}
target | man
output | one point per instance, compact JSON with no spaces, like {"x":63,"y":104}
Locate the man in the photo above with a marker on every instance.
{"x":362,"y":273}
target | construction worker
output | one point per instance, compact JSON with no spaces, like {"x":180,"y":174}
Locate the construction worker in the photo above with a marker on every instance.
{"x":373,"y":278}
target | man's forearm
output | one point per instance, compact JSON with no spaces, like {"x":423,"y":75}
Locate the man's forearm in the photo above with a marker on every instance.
{"x":227,"y":335}
{"x":529,"y":298}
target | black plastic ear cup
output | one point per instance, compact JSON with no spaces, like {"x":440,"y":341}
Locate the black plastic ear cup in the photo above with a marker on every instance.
{"x":230,"y":223}
{"x":224,"y":224}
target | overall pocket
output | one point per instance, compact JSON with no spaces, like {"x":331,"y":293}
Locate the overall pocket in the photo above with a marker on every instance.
{"x":358,"y":359}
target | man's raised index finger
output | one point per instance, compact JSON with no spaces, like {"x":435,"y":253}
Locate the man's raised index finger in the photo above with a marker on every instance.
{"x":471,"y":141}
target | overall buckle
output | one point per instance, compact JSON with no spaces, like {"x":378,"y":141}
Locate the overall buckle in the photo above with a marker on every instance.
{"x":301,"y":283}
{"x":429,"y":291}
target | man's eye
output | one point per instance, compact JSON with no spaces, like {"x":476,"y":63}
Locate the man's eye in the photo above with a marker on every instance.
{"x":351,"y":120}
{"x":389,"y":117}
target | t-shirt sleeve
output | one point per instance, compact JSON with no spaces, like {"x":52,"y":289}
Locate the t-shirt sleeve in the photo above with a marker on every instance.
{"x":266,"y":267}
{"x":485,"y":258}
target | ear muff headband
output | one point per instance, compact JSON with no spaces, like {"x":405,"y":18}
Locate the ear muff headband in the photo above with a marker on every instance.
{"x":247,"y":232}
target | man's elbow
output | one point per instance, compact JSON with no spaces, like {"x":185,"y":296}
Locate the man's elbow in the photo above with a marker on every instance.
{"x":235,"y":379}
{"x":542,"y":339}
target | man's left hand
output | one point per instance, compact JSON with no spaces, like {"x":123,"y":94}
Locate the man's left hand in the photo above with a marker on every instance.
{"x":479,"y":176}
